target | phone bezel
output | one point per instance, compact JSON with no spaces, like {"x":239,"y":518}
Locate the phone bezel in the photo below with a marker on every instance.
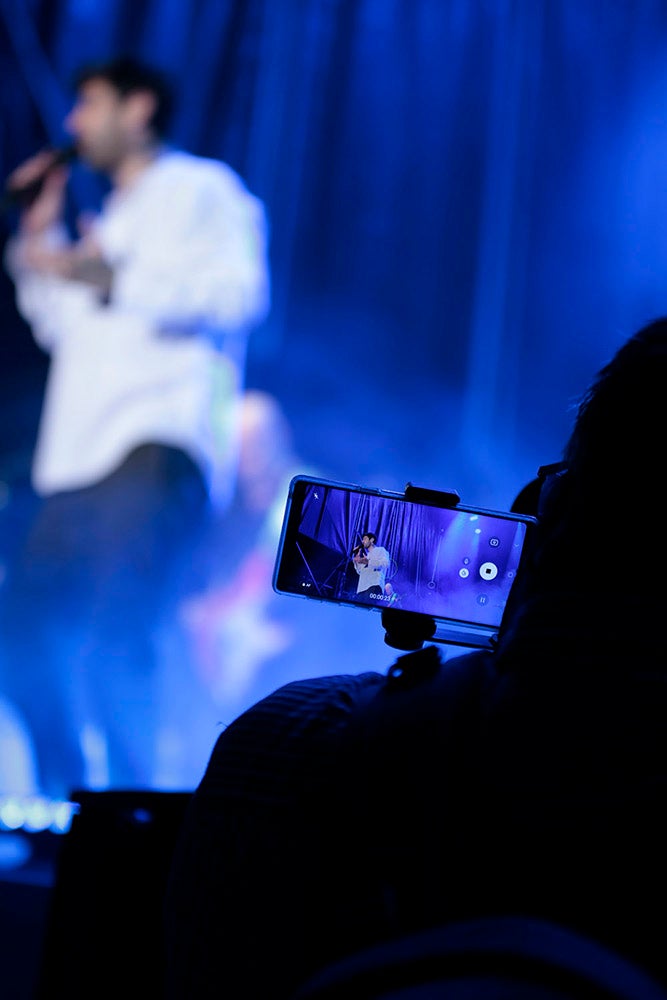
{"x":450,"y":630}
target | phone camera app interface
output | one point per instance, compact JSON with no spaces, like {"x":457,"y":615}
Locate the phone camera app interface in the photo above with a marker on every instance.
{"x":362,"y":548}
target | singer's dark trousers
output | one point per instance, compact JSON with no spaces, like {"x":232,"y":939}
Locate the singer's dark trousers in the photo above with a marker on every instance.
{"x":371,"y":594}
{"x":82,"y":608}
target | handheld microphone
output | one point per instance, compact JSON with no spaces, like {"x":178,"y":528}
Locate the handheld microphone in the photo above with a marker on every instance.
{"x":359,"y":549}
{"x":23,"y":196}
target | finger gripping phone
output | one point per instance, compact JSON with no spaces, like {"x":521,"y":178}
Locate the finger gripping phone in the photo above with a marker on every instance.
{"x":375,"y":549}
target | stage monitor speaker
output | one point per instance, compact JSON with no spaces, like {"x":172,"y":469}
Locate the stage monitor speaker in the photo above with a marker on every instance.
{"x":104,"y":927}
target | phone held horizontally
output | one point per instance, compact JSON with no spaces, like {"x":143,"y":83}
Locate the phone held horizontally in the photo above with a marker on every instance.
{"x":421,"y":551}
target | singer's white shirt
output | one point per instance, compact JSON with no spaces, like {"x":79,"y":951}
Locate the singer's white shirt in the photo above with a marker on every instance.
{"x":375,"y":573}
{"x":163,"y":360}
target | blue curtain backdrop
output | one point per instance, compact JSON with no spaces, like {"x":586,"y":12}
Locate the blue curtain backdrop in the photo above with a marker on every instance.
{"x":467,"y":202}
{"x":468,"y":207}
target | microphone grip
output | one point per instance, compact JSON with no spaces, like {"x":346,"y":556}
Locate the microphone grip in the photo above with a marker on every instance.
{"x":24,"y":195}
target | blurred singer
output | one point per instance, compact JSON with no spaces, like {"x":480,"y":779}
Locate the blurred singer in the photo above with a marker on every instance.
{"x":371,"y":562}
{"x":144,"y":315}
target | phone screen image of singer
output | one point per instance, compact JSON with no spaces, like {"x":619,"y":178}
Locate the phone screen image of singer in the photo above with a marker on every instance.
{"x":454,"y":564}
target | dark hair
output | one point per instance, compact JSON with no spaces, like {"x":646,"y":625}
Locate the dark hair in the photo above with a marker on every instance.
{"x":619,"y":428}
{"x":595,"y":541}
{"x":612,"y":461}
{"x":127,"y":76}
{"x":369,"y":535}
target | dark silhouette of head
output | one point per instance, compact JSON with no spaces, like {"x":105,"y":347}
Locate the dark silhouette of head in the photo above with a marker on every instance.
{"x":620,"y":422}
{"x":600,"y":537}
{"x":527,"y":499}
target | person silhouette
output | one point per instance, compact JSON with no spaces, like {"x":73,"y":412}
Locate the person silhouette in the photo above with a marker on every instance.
{"x":347,"y":811}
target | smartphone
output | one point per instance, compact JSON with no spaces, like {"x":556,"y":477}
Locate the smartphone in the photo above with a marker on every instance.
{"x":374,"y":549}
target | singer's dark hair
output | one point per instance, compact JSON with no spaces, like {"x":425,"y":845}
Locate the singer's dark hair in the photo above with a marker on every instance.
{"x":127,"y":76}
{"x":370,"y":535}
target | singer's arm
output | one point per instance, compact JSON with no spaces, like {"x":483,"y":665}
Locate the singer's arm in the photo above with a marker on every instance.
{"x":359,"y":559}
{"x":45,"y":209}
{"x":80,"y":261}
{"x":40,"y":258}
{"x":52,"y":305}
{"x":39,"y":245}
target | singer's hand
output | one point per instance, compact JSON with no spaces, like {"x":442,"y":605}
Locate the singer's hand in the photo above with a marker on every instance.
{"x":47,"y":208}
{"x":80,"y":262}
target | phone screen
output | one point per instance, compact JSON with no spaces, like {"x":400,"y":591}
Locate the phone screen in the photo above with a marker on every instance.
{"x":376,"y":549}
